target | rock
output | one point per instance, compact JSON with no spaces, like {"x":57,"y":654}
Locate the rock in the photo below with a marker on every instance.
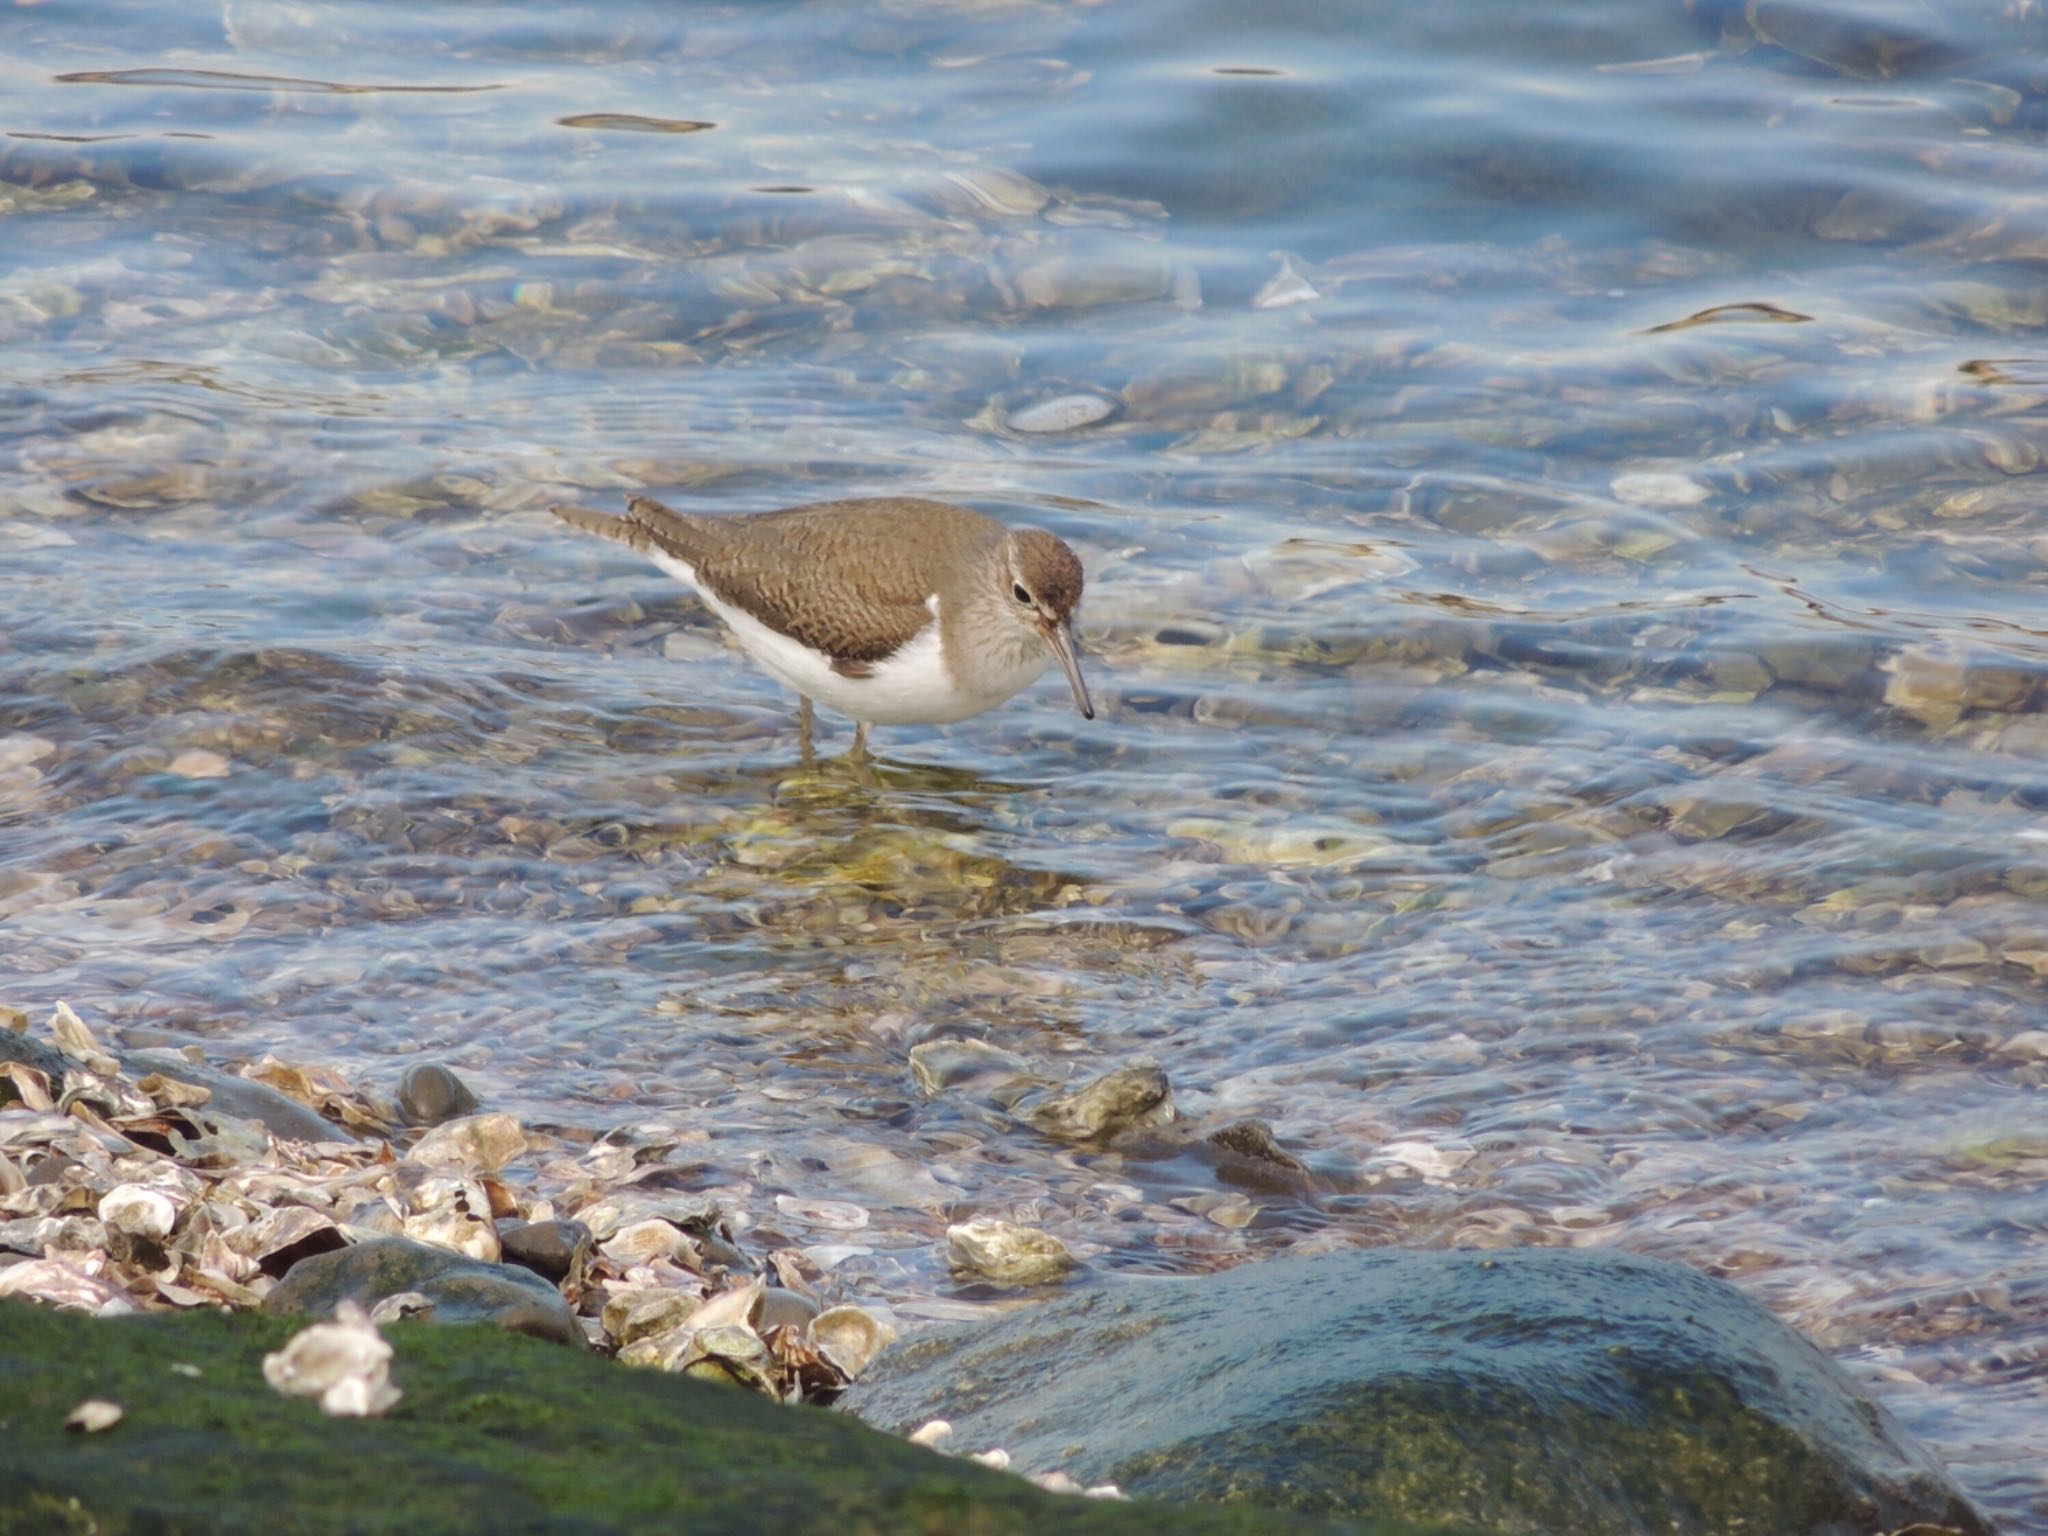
{"x":554,"y":1250}
{"x":1822,"y":660}
{"x":1927,"y":684}
{"x":1659,"y":488}
{"x":1128,"y":1098}
{"x":1867,"y":41}
{"x":239,"y":1097}
{"x":1062,"y":413}
{"x":1937,"y":685}
{"x":462,"y":1290}
{"x":200,"y":763}
{"x":430,"y":1093}
{"x":1127,"y":274}
{"x":1245,"y":1154}
{"x":495,"y":1434}
{"x":31,"y":1052}
{"x":1534,"y":1390}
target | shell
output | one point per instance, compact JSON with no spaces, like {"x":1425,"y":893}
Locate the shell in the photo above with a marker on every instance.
{"x":849,"y":1338}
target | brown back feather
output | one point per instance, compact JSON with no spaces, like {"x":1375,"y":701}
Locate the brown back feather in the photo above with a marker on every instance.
{"x":883,"y":558}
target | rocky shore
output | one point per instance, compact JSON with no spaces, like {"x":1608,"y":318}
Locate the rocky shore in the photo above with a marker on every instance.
{"x":233,"y":1236}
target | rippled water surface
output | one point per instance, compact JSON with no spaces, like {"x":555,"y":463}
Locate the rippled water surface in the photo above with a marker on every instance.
{"x":1566,"y":595}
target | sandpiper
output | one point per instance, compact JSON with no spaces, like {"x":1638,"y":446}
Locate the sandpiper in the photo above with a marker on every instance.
{"x":893,"y":611}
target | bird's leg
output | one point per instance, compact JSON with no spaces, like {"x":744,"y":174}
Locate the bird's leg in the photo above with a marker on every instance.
{"x":805,"y":717}
{"x":860,"y":741}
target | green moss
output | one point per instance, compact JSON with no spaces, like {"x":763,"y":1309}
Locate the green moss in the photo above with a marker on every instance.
{"x":496,"y":1432}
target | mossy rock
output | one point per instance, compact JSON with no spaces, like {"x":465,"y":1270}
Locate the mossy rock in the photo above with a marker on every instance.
{"x":496,"y":1433}
{"x":1514,"y":1392}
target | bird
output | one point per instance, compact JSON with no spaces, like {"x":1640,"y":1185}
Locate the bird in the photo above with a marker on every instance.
{"x":890,"y":610}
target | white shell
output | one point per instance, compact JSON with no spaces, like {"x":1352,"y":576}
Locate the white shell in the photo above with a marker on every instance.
{"x":139,"y":1211}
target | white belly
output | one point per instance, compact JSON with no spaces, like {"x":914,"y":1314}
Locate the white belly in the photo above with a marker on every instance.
{"x":911,"y":688}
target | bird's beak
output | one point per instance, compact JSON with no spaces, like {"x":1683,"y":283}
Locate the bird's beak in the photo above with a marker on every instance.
{"x":1061,"y":638}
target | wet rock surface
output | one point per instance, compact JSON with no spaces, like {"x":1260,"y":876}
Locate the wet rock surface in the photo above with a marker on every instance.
{"x":430,"y":1093}
{"x":1520,"y":1391}
{"x":553,"y":1250}
{"x":230,"y":1094}
{"x":454,"y":1288}
{"x":30,"y":1051}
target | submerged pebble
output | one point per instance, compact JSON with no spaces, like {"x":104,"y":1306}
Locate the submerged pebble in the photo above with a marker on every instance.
{"x":1061,"y":413}
{"x":430,"y":1093}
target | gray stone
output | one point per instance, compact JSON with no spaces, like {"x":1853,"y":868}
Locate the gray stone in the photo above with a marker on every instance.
{"x":460,"y":1289}
{"x":1529,"y":1391}
{"x":1245,"y":1153}
{"x":1063,"y":413}
{"x":430,"y":1093}
{"x":31,"y":1052}
{"x":551,"y":1249}
{"x":239,"y":1097}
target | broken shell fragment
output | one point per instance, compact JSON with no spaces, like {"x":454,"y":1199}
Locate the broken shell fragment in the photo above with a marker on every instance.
{"x":76,"y":1041}
{"x":92,"y":1416}
{"x":849,"y":1338}
{"x":1008,"y":1254}
{"x":1284,"y":287}
{"x":346,"y":1364}
{"x":64,"y":1285}
{"x":731,"y":1354}
{"x":478,"y":1143}
{"x":139,"y":1211}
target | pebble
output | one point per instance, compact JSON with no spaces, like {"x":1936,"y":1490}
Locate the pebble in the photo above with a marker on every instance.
{"x":551,"y":1249}
{"x":199,"y":763}
{"x":2027,"y":1045}
{"x":1062,"y":413}
{"x":1656,"y":488}
{"x":430,"y":1093}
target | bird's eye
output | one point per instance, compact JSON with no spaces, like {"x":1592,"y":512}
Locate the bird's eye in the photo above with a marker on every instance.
{"x":1023,"y":596}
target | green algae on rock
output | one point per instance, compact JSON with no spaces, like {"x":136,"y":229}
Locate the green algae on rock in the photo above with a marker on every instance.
{"x":1535,"y":1390}
{"x":495,"y":1432}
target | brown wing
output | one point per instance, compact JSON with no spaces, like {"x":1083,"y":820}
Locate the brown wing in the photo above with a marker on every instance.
{"x":848,"y":578}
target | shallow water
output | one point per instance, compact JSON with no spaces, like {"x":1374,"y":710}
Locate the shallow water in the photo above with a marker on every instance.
{"x":1565,"y":600}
